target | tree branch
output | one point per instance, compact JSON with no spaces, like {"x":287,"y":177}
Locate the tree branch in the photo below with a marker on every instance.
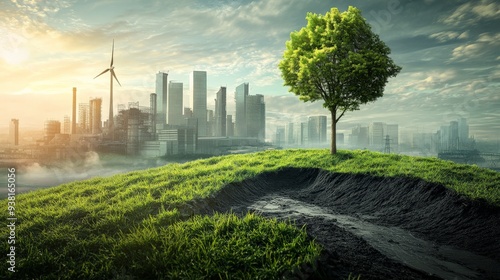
{"x":340,"y":115}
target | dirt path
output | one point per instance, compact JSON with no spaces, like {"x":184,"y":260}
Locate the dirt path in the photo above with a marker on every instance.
{"x":381,"y":228}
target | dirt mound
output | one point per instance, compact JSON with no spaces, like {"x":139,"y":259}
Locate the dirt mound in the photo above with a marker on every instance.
{"x":429,"y":211}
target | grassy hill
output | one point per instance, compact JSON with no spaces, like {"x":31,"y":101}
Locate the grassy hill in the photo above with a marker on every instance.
{"x":132,"y":225}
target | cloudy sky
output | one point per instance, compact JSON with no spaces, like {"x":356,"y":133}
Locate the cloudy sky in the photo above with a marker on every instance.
{"x":449,"y":51}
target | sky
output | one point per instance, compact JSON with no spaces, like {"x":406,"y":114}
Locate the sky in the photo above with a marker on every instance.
{"x":448,"y":51}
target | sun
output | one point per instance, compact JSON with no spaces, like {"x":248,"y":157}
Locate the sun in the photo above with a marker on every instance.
{"x":14,"y":57}
{"x":13,"y":48}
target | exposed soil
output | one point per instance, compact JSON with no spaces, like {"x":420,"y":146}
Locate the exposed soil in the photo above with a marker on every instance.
{"x":381,"y":228}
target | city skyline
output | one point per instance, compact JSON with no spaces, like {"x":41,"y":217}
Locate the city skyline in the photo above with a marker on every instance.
{"x":448,"y":51}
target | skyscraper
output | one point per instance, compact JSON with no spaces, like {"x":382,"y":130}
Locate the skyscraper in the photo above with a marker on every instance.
{"x":174,"y":103}
{"x":453,"y":144}
{"x":220,"y":112}
{"x":256,"y":117}
{"x":73,"y":116}
{"x":240,"y":97}
{"x":290,"y":134}
{"x":83,"y":117}
{"x":376,"y":131}
{"x":198,"y":89}
{"x":393,"y":132}
{"x":14,"y":132}
{"x":463,"y":133}
{"x":152,"y":116}
{"x":95,"y":123}
{"x":161,"y":99}
{"x":229,"y":126}
{"x":51,"y":128}
{"x":316,"y":129}
{"x":67,"y":125}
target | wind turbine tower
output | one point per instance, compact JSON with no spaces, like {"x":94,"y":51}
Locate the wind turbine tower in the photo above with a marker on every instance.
{"x":112,"y":74}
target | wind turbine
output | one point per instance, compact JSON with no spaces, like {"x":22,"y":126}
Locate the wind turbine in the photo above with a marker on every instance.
{"x":112,"y":74}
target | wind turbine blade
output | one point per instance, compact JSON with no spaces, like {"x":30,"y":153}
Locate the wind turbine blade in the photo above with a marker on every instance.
{"x":112,"y":52}
{"x":113,"y":73}
{"x":102,"y":73}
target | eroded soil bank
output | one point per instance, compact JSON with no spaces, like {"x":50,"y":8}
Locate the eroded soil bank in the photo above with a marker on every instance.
{"x":381,"y":228}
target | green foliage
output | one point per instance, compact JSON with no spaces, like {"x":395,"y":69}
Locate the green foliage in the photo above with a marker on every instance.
{"x":86,"y":229}
{"x":338,"y":59}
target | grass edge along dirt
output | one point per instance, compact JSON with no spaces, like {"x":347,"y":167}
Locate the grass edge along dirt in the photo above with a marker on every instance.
{"x":81,"y":229}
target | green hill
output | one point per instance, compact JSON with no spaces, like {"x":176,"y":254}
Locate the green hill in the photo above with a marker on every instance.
{"x":134,"y":226}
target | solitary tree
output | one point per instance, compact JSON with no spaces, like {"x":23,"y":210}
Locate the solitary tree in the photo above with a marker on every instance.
{"x":337,"y":58}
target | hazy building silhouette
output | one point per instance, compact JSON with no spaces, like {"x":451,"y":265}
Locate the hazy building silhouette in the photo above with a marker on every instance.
{"x":220,"y":112}
{"x":256,"y":116}
{"x":73,"y":116}
{"x":14,"y":132}
{"x":240,"y":97}
{"x":161,"y":99}
{"x":377,"y":133}
{"x":95,"y":123}
{"x":83,"y":117}
{"x":453,"y":140}
{"x":51,"y":128}
{"x":229,"y":126}
{"x":280,"y":137}
{"x":290,"y":136}
{"x":198,"y":89}
{"x":303,"y":133}
{"x":316,"y":130}
{"x":393,"y":132}
{"x":210,"y":123}
{"x":66,"y":125}
{"x":152,"y":115}
{"x":174,"y":103}
{"x":463,"y":134}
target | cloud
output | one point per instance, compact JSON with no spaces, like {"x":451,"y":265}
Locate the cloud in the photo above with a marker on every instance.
{"x":484,"y":47}
{"x":472,"y":12}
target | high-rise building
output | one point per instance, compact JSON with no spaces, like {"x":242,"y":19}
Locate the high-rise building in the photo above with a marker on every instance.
{"x":51,"y":128}
{"x":240,"y":97}
{"x":210,"y":123}
{"x":280,"y":136}
{"x":83,"y":117}
{"x":161,"y":99}
{"x":95,"y":123}
{"x":463,"y":133}
{"x":229,"y":126}
{"x":256,"y":117}
{"x":174,"y":103}
{"x":303,"y":133}
{"x":152,"y":116}
{"x":316,"y":129}
{"x":198,"y":89}
{"x":290,"y":134}
{"x":393,"y":132}
{"x":14,"y":132}
{"x":454,"y":137}
{"x":220,"y":112}
{"x":73,"y":116}
{"x":444,"y":138}
{"x":66,"y":125}
{"x":377,"y":135}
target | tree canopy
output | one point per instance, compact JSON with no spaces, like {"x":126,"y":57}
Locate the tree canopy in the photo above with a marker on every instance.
{"x":337,"y":58}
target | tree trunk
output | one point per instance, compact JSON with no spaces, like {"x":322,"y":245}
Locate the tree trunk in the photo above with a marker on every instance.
{"x":333,"y":147}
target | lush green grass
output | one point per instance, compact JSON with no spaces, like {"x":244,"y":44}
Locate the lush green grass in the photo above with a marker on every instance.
{"x":130,"y":225}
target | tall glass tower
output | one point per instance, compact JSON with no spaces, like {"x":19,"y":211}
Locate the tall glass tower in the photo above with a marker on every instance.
{"x":240,"y":97}
{"x":198,"y":89}
{"x":161,"y":99}
{"x":174,"y":104}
